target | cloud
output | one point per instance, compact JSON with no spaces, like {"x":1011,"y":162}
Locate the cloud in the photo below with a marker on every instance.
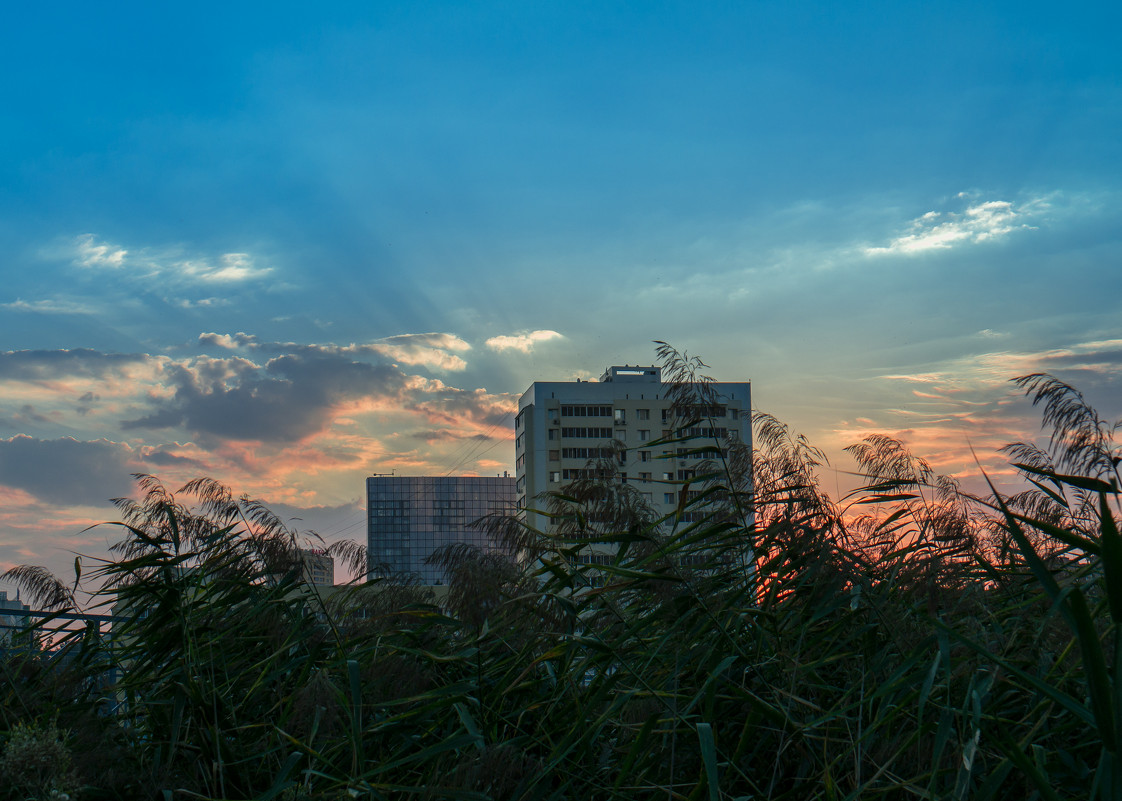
{"x":231,"y":268}
{"x":202,"y":303}
{"x":977,"y":223}
{"x":66,"y":471}
{"x":523,"y":341}
{"x":90,"y":253}
{"x":50,"y":365}
{"x":228,"y":341}
{"x":168,"y":265}
{"x":49,"y":306}
{"x":435,"y":351}
{"x":993,"y":368}
{"x":964,"y":409}
{"x":162,"y":458}
{"x":286,"y":421}
{"x":287,"y":398}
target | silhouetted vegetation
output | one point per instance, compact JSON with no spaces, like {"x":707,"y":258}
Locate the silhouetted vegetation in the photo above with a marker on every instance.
{"x":762,"y":641}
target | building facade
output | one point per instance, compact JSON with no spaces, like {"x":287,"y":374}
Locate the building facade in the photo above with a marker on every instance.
{"x":11,"y":624}
{"x":317,"y":567}
{"x":410,"y":517}
{"x":562,"y":425}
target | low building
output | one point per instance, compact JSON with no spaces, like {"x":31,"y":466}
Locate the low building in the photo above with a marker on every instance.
{"x":11,"y":624}
{"x":317,"y":567}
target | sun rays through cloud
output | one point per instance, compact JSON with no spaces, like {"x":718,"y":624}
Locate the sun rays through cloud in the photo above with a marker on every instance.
{"x":351,"y":238}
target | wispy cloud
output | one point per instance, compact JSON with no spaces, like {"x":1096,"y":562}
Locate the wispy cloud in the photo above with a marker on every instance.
{"x":523,"y":341}
{"x":436,"y":351}
{"x":91,"y":253}
{"x":168,"y":265}
{"x":49,"y":306}
{"x":958,"y":412}
{"x":230,"y":268}
{"x":993,"y":368}
{"x":980,"y":222}
{"x":202,"y":303}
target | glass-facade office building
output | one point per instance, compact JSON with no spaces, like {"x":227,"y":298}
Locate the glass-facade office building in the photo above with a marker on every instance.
{"x":409,"y":517}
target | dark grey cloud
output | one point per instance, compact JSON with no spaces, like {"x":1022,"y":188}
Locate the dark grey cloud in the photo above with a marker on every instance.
{"x":39,"y":365}
{"x":85,"y":403}
{"x":160,"y":458}
{"x":288,"y":398}
{"x":26,"y":415}
{"x":66,"y":471}
{"x":445,"y":435}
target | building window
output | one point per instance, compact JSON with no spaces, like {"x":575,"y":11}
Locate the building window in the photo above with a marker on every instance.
{"x":621,"y":417}
{"x":644,"y":435}
{"x":667,"y":476}
{"x":623,"y":478}
{"x":642,"y":414}
{"x":552,"y":434}
{"x":644,"y":476}
{"x":586,"y":453}
{"x":551,"y":415}
{"x":596,"y":433}
{"x":668,"y":497}
{"x":554,"y":476}
{"x":554,"y":456}
{"x":647,"y":497}
{"x":644,"y":456}
{"x":586,"y":411}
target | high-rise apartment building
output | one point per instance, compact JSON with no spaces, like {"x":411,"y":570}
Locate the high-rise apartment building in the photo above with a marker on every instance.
{"x":562,"y":425}
{"x":409,"y":517}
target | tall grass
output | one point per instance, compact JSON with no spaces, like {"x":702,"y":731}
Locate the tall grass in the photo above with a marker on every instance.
{"x":761,"y":641}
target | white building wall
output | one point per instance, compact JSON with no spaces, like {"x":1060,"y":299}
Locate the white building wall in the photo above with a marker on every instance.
{"x":637,"y":401}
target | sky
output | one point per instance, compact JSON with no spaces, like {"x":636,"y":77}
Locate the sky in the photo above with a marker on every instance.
{"x":288,"y":246}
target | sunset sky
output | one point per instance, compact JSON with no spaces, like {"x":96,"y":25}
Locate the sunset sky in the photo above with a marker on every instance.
{"x":288,"y":246}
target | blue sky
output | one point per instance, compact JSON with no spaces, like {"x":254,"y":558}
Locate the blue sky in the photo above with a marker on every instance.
{"x":287,"y":247}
